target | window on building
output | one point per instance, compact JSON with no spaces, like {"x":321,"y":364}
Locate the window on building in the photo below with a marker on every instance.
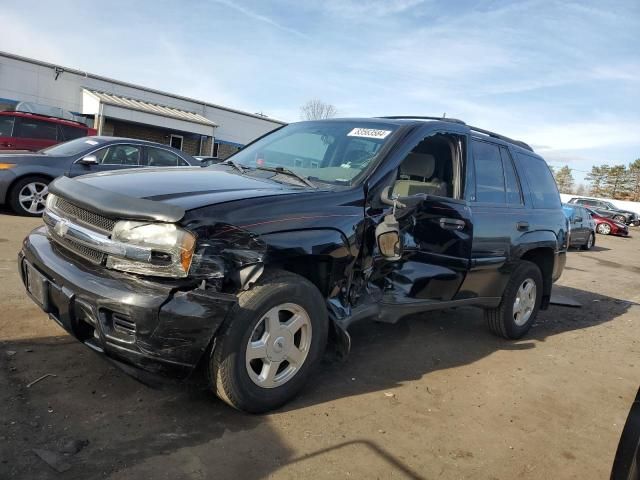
{"x":490,"y":185}
{"x":544,"y":191}
{"x":119,"y":155}
{"x":158,"y":157}
{"x":176,"y":141}
{"x":6,"y":126}
{"x":31,"y":128}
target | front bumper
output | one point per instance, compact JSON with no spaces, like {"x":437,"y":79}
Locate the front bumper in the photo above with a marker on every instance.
{"x":6,"y":179}
{"x":157,"y":326}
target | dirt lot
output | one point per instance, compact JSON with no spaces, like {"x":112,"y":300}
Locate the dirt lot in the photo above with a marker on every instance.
{"x":435,"y":396}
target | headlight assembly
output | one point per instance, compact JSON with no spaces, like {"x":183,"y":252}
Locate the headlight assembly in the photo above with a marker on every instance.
{"x":170,"y":248}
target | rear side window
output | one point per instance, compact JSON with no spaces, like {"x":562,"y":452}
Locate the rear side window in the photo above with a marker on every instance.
{"x":119,"y":155}
{"x":6,"y":126}
{"x":157,"y":157}
{"x":511,"y":179}
{"x":544,"y":192}
{"x":71,"y":133}
{"x":32,"y":128}
{"x":489,"y":173}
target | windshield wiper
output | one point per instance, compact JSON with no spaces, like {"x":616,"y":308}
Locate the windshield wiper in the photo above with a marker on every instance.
{"x":235,"y":165}
{"x":286,"y":171}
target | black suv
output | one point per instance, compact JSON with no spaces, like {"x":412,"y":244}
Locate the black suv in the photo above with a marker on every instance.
{"x":608,"y":209}
{"x":249,"y":267}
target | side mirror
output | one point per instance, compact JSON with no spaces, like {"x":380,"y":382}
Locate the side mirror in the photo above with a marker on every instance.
{"x":89,"y":160}
{"x":388,"y":238}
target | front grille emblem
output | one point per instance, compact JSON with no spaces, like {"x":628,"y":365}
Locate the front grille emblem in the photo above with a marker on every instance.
{"x":61,"y":228}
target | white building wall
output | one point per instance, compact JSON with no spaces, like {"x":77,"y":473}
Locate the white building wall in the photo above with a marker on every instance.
{"x":26,"y":80}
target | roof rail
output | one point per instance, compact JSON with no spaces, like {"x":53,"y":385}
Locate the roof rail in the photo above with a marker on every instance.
{"x":501,"y":137}
{"x":460,"y":122}
{"x":419,"y":117}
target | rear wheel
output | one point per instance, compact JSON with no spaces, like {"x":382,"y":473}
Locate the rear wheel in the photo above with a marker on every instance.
{"x":520,"y":303}
{"x":274,"y":337}
{"x":29,"y":195}
{"x":604,"y":229}
{"x":590,"y":242}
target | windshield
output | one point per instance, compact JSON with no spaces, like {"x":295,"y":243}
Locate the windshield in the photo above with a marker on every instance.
{"x":331,"y":152}
{"x":72,"y":147}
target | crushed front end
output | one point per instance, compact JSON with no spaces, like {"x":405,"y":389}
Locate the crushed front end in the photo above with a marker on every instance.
{"x":160,"y":323}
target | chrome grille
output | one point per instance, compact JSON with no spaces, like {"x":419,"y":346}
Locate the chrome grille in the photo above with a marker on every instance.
{"x":73,"y":212}
{"x":89,"y":253}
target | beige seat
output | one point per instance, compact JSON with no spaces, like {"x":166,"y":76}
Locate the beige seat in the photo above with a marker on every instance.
{"x":417,"y":176}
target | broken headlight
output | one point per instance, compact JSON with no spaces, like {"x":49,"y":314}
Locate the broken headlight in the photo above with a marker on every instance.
{"x":170,"y":248}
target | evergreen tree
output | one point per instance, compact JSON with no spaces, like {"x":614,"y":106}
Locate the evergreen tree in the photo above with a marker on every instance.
{"x":615,"y":182}
{"x":634,"y":180}
{"x":596,"y":177}
{"x":564,"y":179}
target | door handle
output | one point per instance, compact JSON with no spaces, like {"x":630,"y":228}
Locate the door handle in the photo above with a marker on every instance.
{"x":452,"y":223}
{"x":522,"y":226}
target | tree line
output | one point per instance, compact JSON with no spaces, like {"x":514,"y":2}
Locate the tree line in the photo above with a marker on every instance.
{"x":620,"y":182}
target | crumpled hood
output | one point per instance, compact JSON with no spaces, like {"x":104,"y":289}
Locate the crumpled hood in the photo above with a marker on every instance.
{"x":187,"y":187}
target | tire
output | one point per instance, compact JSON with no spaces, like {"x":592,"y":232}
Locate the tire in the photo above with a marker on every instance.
{"x":620,"y":218}
{"x":502,"y":319}
{"x":591,"y":241}
{"x":246,"y":384}
{"x":604,"y":229}
{"x":34,"y":186}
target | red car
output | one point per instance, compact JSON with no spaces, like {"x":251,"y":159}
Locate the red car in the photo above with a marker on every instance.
{"x":30,"y":131}
{"x":607,"y":226}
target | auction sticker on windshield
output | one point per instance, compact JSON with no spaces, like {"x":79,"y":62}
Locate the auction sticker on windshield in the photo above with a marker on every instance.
{"x":368,"y":133}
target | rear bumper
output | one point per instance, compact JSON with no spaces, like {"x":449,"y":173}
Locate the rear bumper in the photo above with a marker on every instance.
{"x":153,"y":325}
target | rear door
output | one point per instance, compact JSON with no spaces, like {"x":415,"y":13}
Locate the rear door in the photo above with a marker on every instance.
{"x":500,"y":217}
{"x":34,"y":134}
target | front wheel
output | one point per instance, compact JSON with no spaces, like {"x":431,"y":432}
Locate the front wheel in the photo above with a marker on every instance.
{"x":272,"y":340}
{"x":620,"y":219}
{"x":29,"y":195}
{"x":604,"y":229}
{"x":520,"y":303}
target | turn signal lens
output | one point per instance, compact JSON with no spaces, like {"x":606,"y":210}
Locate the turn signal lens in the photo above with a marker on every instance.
{"x":6,"y":166}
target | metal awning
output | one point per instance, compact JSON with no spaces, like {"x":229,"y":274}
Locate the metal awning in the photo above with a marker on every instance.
{"x":95,"y":102}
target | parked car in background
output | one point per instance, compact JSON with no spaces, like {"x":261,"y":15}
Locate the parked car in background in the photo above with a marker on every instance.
{"x":247,"y":267}
{"x":24,"y":178}
{"x":206,"y":161}
{"x":608,"y":210}
{"x":32,"y":132}
{"x":608,"y":226}
{"x":583,"y":227}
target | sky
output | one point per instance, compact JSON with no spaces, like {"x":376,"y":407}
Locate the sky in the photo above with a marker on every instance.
{"x":563,"y":76}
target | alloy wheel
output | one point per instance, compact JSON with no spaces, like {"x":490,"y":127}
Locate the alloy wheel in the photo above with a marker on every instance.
{"x":33,"y":197}
{"x":524,"y":302}
{"x":279,"y":345}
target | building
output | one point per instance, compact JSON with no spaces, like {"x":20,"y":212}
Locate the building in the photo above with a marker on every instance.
{"x":118,"y":108}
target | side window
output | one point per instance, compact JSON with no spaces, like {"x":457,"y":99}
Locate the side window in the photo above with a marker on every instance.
{"x":544,"y":191}
{"x":489,"y":173}
{"x":32,"y":128}
{"x":71,"y":133}
{"x":513,"y":187}
{"x":6,"y":126}
{"x":119,"y":155}
{"x":157,"y":157}
{"x":432,"y":167}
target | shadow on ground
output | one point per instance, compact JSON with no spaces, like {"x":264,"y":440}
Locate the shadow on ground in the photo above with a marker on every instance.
{"x":127,"y":423}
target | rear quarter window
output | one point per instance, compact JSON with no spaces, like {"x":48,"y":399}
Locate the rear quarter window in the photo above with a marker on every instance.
{"x":544,"y":192}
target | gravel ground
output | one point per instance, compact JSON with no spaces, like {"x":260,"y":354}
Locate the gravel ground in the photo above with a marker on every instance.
{"x":435,"y":396}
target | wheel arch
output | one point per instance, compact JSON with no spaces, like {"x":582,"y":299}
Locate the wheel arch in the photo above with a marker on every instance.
{"x":544,"y":258}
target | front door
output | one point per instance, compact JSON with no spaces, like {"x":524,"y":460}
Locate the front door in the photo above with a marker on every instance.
{"x":114,"y":157}
{"x":435,"y":224}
